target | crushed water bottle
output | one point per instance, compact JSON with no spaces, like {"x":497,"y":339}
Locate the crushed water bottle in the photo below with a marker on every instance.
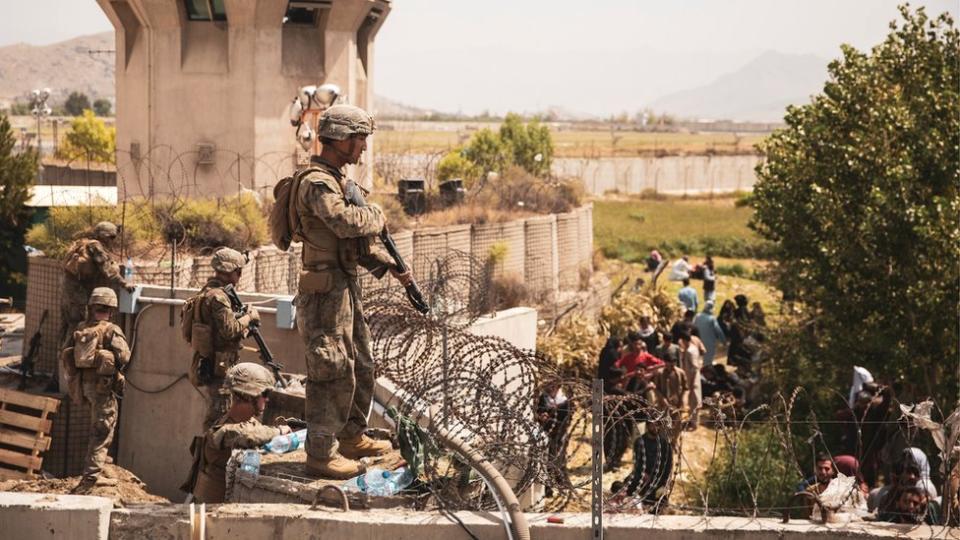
{"x":380,"y":483}
{"x":128,"y":270}
{"x":281,"y":444}
{"x":250,"y":462}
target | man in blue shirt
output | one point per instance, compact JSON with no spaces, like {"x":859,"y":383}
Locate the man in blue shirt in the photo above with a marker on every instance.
{"x":688,"y":296}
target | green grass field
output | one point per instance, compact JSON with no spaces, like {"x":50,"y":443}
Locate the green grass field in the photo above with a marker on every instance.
{"x":581,"y":143}
{"x":628,"y":229}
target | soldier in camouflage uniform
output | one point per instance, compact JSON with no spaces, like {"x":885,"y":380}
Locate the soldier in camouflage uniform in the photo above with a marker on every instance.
{"x":337,"y":237}
{"x":88,"y":265}
{"x":246,"y":385}
{"x":226,"y":331}
{"x":93,"y":357}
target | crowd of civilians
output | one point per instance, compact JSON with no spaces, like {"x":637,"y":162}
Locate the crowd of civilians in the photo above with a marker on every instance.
{"x":670,"y":369}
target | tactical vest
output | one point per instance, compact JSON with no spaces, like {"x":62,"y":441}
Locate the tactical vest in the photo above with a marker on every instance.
{"x":78,"y":263}
{"x":211,"y":484}
{"x":323,"y":251}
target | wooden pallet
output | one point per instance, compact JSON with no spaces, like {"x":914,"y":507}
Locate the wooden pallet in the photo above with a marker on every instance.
{"x":24,"y":432}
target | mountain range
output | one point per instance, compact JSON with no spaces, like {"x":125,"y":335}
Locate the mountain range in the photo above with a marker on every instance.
{"x":759,"y":91}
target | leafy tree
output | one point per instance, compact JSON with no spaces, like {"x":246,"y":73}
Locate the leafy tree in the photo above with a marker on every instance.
{"x":860,"y":195}
{"x":17,"y":172}
{"x":454,"y":165}
{"x":487,"y":151}
{"x":19,"y":108}
{"x":89,"y":139}
{"x":530,"y":145}
{"x":76,"y":103}
{"x":103,"y":107}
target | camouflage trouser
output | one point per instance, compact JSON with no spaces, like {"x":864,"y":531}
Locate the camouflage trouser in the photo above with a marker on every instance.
{"x":98,"y":392}
{"x":216,"y":403}
{"x":339,"y":365}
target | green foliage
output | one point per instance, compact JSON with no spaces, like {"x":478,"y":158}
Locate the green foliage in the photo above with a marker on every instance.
{"x":735,"y":269}
{"x":860,"y":195}
{"x":487,"y":152}
{"x":89,"y":138}
{"x":454,"y":165}
{"x":103,"y":107}
{"x":498,"y":252}
{"x":141,"y":228}
{"x":628,"y":230}
{"x":529,"y":146}
{"x":76,"y":103}
{"x":17,"y":172}
{"x":756,"y":472}
{"x":237,"y":222}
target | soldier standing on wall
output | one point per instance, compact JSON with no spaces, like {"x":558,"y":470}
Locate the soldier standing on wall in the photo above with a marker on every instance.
{"x":337,"y":236}
{"x":92,"y":358}
{"x":88,"y":265}
{"x":214,"y":331}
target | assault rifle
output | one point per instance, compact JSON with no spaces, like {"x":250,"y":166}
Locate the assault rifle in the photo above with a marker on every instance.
{"x":355,"y":195}
{"x":28,"y":362}
{"x":265,"y":355}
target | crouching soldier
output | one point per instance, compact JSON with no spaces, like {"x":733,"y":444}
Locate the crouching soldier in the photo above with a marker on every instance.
{"x":93,"y":357}
{"x":245,"y":385}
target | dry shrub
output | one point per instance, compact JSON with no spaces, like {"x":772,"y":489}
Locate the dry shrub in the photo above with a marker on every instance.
{"x":68,"y":223}
{"x":624,"y":312}
{"x":469,"y":213}
{"x":507,"y":292}
{"x":574,"y":345}
{"x":238,"y":222}
{"x":516,"y":189}
{"x":397,"y":219}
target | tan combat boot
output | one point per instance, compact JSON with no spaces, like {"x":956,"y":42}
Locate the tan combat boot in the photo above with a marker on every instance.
{"x":335,"y":467}
{"x":363,"y":446}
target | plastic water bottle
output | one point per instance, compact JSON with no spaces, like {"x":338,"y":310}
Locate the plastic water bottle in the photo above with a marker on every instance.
{"x":380,"y":483}
{"x":281,"y":444}
{"x":128,"y":270}
{"x":250,"y":462}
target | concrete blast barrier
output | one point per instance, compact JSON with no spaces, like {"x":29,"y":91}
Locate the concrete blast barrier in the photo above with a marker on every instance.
{"x":509,"y":235}
{"x":273,"y":270}
{"x":541,"y":265}
{"x":41,"y":515}
{"x":44,"y":288}
{"x":568,"y":253}
{"x":430,"y":245}
{"x":585,"y":223}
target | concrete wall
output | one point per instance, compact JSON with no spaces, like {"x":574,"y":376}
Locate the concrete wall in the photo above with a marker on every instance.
{"x":289,"y":522}
{"x":68,"y":517}
{"x":181,"y":83}
{"x":670,"y":175}
{"x":162,"y":411}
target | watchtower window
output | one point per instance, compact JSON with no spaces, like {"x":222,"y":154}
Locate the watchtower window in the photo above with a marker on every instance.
{"x":206,"y":10}
{"x":305,"y":12}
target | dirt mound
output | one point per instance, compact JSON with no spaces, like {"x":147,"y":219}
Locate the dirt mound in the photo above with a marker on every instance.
{"x":116,"y":483}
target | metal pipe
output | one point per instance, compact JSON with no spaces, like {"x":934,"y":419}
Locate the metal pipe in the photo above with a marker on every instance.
{"x":181,"y":301}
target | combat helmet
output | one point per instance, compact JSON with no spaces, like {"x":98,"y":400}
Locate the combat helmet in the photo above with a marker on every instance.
{"x":103,"y":296}
{"x":339,"y":122}
{"x":105,"y":231}
{"x":227,"y":260}
{"x":248,"y":379}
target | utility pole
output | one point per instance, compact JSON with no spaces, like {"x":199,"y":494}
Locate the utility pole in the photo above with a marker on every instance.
{"x":39,"y":110}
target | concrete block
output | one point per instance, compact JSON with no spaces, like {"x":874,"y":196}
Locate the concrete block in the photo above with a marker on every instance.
{"x":40,"y":515}
{"x":286,"y":313}
{"x":128,"y":300}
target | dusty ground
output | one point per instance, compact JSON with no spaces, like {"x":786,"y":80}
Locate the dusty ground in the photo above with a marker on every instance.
{"x":118,"y":484}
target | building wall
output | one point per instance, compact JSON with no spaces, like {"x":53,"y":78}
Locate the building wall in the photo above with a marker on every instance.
{"x":181,"y":83}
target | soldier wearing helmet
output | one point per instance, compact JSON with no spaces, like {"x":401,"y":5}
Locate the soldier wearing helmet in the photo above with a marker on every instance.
{"x":338,"y":237}
{"x":246,"y":384}
{"x":92,"y":360}
{"x":88,"y":265}
{"x":216,"y":330}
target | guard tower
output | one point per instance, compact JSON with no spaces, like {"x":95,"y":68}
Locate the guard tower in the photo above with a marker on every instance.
{"x":203,"y":87}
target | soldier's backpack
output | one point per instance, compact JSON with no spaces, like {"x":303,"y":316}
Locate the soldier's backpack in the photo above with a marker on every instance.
{"x":284,"y":221}
{"x":197,"y":333}
{"x":87,"y":345}
{"x":78,"y":262}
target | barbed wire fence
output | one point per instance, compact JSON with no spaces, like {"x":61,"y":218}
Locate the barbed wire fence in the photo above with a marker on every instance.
{"x":487,"y":390}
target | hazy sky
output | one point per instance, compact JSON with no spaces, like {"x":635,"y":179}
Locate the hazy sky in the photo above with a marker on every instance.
{"x":598,"y":56}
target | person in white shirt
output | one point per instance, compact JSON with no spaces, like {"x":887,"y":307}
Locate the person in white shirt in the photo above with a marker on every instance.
{"x":681,"y":269}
